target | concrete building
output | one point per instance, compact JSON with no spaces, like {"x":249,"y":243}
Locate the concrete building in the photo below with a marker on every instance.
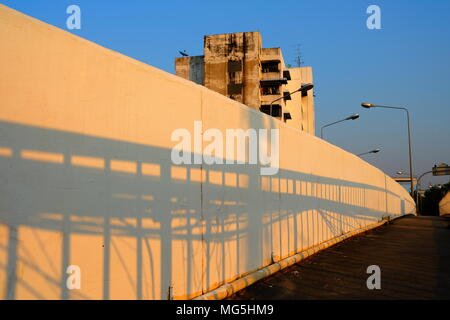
{"x":237,"y":66}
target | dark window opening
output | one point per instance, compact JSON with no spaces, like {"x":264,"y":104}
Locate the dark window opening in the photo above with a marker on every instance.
{"x":270,"y":90}
{"x":234,"y":88}
{"x":287,"y":95}
{"x":287,"y":74}
{"x":234,"y":65}
{"x":270,"y":66}
{"x":276,"y":109}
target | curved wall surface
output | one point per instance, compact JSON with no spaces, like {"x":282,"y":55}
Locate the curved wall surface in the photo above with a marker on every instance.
{"x":444,"y":205}
{"x":86,"y":179}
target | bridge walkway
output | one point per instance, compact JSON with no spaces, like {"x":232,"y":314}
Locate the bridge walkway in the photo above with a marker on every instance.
{"x":413,"y":254}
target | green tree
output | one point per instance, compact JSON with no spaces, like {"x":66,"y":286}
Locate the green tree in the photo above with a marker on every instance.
{"x":430,"y":202}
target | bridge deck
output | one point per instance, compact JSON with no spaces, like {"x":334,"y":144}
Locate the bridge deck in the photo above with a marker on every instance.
{"x":413,"y":254}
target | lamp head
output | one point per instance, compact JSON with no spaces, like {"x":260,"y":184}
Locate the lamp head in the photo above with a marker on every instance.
{"x":353,"y":117}
{"x":367,"y":105}
{"x":376,"y":150}
{"x":306,"y":87}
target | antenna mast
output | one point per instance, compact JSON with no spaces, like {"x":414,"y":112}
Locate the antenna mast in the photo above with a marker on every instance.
{"x":298,"y":56}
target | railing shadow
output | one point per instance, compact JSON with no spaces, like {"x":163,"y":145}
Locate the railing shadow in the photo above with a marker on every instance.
{"x":144,"y":228}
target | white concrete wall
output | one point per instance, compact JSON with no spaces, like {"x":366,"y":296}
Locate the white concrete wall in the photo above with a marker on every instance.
{"x":86,"y":178}
{"x":444,"y":205}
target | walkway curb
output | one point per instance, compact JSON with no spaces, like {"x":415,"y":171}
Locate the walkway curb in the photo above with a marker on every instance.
{"x":228,"y":289}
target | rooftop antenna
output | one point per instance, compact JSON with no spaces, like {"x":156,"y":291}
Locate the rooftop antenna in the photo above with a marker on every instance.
{"x":298,"y":56}
{"x":184,"y":53}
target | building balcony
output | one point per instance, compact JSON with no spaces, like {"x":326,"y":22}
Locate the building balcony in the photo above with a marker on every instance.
{"x":273,"y":82}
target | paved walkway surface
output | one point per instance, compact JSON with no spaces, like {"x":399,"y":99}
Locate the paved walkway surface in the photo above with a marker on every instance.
{"x":413,"y":254}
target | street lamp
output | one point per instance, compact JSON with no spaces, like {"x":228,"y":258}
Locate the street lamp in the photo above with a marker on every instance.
{"x":368,"y":106}
{"x":352,"y":117}
{"x":304,"y":87}
{"x":372,"y":151}
{"x":417,"y":190}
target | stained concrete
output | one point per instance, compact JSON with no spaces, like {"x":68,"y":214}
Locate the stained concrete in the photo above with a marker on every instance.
{"x":190,"y":68}
{"x":232,"y":66}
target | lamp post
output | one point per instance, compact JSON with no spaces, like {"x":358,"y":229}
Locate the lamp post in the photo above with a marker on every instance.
{"x":417,"y":189}
{"x":303,"y":88}
{"x":352,"y":117}
{"x":368,"y":106}
{"x":372,"y":151}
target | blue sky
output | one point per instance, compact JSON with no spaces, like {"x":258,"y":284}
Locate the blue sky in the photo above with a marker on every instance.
{"x":405,"y":63}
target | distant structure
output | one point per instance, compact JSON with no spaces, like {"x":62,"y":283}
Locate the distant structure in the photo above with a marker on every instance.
{"x":237,"y":66}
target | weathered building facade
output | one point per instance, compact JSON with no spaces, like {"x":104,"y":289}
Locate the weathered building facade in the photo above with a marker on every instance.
{"x":237,"y":66}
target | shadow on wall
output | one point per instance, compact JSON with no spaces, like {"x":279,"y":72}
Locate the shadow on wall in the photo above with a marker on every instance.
{"x":142,"y":228}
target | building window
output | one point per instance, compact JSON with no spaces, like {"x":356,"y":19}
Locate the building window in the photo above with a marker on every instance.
{"x":234,"y":88}
{"x":270,"y":90}
{"x":270,"y":66}
{"x":276,"y":109}
{"x":234,"y":65}
{"x":287,"y":95}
